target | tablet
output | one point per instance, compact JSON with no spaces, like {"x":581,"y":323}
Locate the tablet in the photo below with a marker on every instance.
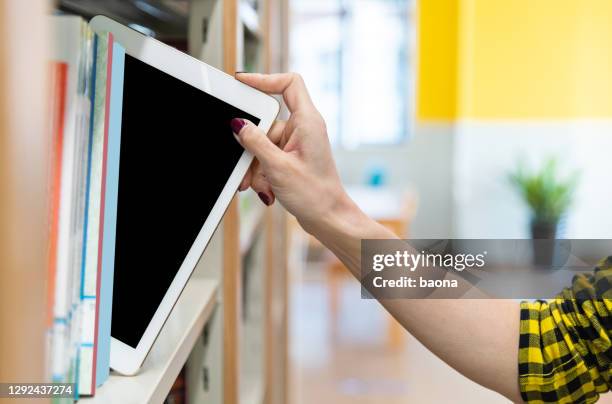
{"x":179,"y":168}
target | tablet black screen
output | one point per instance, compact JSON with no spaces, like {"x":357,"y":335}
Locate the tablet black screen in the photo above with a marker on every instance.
{"x":177,"y":153}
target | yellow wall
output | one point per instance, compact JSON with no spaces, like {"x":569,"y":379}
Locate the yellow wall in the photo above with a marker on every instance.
{"x":437,"y":59}
{"x":519,"y":59}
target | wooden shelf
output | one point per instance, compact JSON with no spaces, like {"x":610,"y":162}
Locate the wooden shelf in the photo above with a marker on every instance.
{"x":169,"y":352}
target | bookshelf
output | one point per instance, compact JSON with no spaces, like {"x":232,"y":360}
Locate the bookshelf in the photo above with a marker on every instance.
{"x":168,"y":355}
{"x":207,"y":332}
{"x":254,"y":311}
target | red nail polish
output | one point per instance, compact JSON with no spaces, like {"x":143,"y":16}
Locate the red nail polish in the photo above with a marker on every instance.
{"x":237,"y":124}
{"x":264,"y":198}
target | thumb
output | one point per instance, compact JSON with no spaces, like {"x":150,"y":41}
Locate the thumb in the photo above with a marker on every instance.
{"x":255,"y":141}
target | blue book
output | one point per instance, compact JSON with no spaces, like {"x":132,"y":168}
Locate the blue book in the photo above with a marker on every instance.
{"x":84,"y":344}
{"x":91,"y":268}
{"x":110,"y":215}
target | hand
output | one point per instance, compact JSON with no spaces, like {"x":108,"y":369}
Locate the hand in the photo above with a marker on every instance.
{"x":294,"y":162}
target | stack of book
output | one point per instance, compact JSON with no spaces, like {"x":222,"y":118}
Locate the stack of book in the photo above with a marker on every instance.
{"x":83,"y":68}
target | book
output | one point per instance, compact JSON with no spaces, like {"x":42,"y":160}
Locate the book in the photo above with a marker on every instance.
{"x":73,"y":47}
{"x":111,"y":190}
{"x":56,"y":115}
{"x":94,"y":192}
{"x":81,"y":115}
{"x":177,"y":394}
{"x":59,"y":72}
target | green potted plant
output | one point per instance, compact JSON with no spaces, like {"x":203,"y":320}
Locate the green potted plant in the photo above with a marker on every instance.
{"x":548,"y":194}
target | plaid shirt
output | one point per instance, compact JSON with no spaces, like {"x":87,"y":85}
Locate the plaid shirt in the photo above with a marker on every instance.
{"x":565,"y":348}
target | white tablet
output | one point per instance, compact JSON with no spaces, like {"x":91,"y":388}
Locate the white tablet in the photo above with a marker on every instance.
{"x":179,"y":168}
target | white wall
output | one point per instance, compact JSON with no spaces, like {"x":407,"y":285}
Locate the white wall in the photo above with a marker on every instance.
{"x":424,"y":164}
{"x":485,"y":204}
{"x":460,"y":175}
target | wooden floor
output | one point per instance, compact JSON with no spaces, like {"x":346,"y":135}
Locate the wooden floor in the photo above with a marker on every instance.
{"x":350,"y":359}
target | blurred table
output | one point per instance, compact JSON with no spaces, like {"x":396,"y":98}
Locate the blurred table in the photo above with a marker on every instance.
{"x":393,"y":209}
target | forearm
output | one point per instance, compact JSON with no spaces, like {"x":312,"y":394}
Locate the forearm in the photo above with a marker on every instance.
{"x":479,"y":338}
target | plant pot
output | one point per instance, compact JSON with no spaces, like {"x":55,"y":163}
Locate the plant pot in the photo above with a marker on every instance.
{"x":543,"y":251}
{"x":544,"y":230}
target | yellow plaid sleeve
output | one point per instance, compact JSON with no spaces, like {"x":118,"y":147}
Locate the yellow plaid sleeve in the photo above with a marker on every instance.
{"x":565,"y":352}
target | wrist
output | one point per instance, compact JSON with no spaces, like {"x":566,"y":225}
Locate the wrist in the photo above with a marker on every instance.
{"x":342,"y":219}
{"x":341,"y":228}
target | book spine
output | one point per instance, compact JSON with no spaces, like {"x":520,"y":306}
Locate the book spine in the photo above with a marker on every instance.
{"x":85,"y":342}
{"x":107,"y":100}
{"x":60,"y":73}
{"x":110,"y":215}
{"x":79,"y":192}
{"x":68,"y":33}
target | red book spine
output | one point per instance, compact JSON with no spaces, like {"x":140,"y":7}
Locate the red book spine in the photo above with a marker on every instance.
{"x":59,"y":74}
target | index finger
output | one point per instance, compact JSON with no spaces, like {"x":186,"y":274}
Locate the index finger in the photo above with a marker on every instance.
{"x":290,"y":85}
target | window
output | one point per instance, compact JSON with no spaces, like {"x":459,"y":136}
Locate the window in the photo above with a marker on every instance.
{"x":356,"y":58}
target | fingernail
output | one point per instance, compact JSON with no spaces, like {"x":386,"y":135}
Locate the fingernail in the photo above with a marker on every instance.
{"x":264,"y":198}
{"x":237,"y":124}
